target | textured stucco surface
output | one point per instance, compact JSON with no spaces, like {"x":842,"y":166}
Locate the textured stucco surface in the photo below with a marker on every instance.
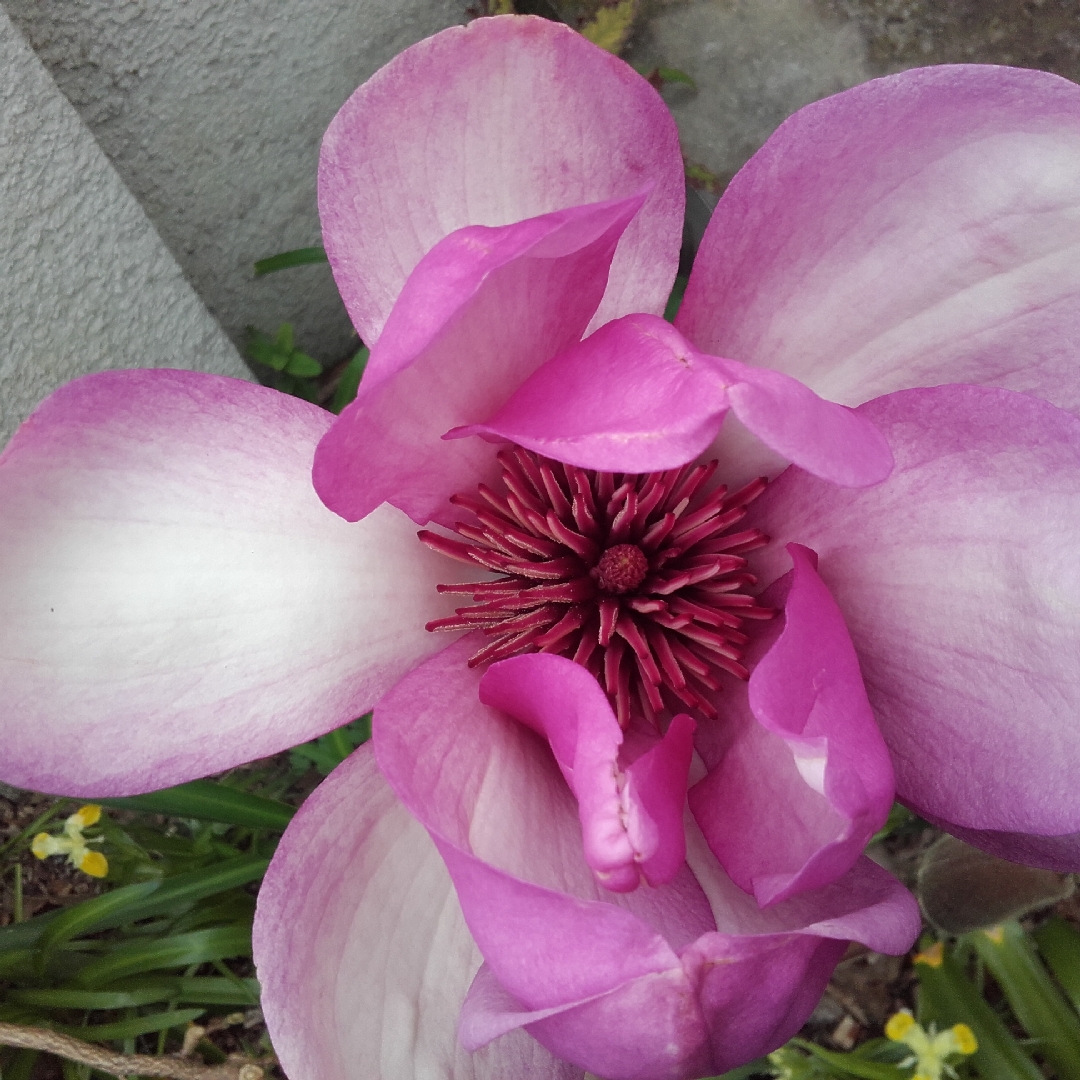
{"x":754,"y":62}
{"x":86,"y":282}
{"x":212,"y":113}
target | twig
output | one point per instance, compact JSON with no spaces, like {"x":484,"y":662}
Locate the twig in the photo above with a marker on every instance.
{"x":123,"y":1065}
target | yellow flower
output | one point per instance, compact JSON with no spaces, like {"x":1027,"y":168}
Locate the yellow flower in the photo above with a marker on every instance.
{"x":929,"y":1049}
{"x":73,"y":844}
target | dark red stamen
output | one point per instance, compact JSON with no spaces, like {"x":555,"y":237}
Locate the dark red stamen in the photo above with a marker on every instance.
{"x":637,"y":577}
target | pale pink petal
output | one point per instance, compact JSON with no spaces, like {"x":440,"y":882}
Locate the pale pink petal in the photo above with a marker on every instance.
{"x":361,"y":949}
{"x":479,"y":314}
{"x":918,"y":229}
{"x":174,"y":599}
{"x":609,"y":981}
{"x":636,"y":396}
{"x":489,"y":124}
{"x":803,"y":777}
{"x":959,"y":583}
{"x":631,"y":817}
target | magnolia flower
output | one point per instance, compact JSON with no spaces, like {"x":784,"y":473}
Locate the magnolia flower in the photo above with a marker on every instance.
{"x":512,"y":881}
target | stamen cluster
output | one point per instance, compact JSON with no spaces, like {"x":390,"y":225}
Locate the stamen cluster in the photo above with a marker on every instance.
{"x":639,"y":577}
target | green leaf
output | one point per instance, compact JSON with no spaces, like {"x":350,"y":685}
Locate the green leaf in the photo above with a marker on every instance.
{"x":1059,"y":943}
{"x":899,"y":816}
{"x":947,"y":997}
{"x":284,"y":339}
{"x":303,"y":366}
{"x":287,"y":259}
{"x":128,"y":1029}
{"x":180,"y":950}
{"x":208,"y":800}
{"x":265,"y":350}
{"x":349,"y":383}
{"x":666,"y":74}
{"x":1037,"y":1003}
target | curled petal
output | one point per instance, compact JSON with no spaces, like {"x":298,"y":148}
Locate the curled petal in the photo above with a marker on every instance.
{"x":636,"y":396}
{"x":610,"y":981}
{"x":958,"y":582}
{"x":361,"y":949}
{"x":478,"y":315}
{"x":632,"y":818}
{"x":174,"y":599}
{"x":915,"y":230}
{"x":800,"y":777}
{"x":488,"y":124}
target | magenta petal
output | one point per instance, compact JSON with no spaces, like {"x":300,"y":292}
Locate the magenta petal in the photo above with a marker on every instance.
{"x":487,"y":124}
{"x":632,"y":820}
{"x":174,"y":599}
{"x":957,"y":580}
{"x":803,"y":778}
{"x":617,"y":977}
{"x":915,"y":230}
{"x":632,"y":397}
{"x":480,"y":313}
{"x":636,"y":396}
{"x":826,"y":439}
{"x":361,"y":949}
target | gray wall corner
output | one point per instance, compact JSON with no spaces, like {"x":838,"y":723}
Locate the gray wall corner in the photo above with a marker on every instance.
{"x":87,"y":283}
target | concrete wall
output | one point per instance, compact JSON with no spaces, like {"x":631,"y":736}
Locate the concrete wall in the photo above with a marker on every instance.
{"x":211,"y":111}
{"x":85,"y":281}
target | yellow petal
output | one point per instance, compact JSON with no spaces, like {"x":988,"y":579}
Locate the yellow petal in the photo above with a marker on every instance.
{"x":88,"y":815}
{"x":94,"y":863}
{"x":966,"y":1043}
{"x":40,"y":845}
{"x":899,"y":1025}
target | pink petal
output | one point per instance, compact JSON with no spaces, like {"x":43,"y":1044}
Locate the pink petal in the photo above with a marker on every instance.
{"x":480,"y":313}
{"x":488,"y":124}
{"x":915,"y":230}
{"x":802,"y":777}
{"x":632,"y":818}
{"x":609,"y":981}
{"x":174,"y":599}
{"x":361,"y":949}
{"x":958,"y":582}
{"x":638,"y":397}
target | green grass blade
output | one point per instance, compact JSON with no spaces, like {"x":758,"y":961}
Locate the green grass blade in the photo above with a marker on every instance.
{"x":211,"y":801}
{"x":183,"y":890}
{"x":850,"y":1065}
{"x":128,"y":1029}
{"x":18,"y":937}
{"x":1036,"y":1001}
{"x":947,"y":997}
{"x":287,"y":259}
{"x":1059,"y":944}
{"x":349,"y":383}
{"x":92,"y":999}
{"x":92,"y":915}
{"x":675,"y":299}
{"x":179,"y":950}
{"x":195,"y":990}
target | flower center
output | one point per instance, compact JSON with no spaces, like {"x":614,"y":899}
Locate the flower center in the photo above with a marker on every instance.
{"x":620,"y":569}
{"x":639,"y":577}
